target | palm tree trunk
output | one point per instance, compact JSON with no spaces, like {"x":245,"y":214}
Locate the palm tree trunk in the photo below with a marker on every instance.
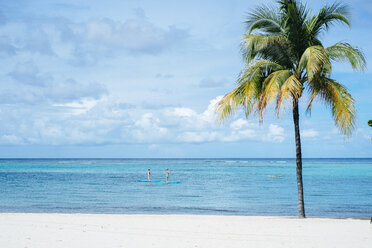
{"x":300,"y":189}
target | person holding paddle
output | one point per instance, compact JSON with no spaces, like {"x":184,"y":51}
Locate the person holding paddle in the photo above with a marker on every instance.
{"x":167,"y":173}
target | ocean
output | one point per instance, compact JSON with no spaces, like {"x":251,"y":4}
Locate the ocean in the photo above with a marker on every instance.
{"x":259,"y":187}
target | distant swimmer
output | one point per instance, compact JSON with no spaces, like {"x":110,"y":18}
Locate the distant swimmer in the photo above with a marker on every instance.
{"x":148,"y":174}
{"x":167,"y":173}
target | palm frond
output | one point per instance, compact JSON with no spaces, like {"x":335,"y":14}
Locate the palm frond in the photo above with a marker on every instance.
{"x":264,"y":19}
{"x":315,"y":61}
{"x":294,"y":14}
{"x":329,"y":14}
{"x":269,"y":47}
{"x":291,"y":89}
{"x":257,"y":67}
{"x":339,"y":99}
{"x":271,"y":87}
{"x":249,"y":88}
{"x":228,"y":105}
{"x":345,"y":52}
{"x":245,"y":95}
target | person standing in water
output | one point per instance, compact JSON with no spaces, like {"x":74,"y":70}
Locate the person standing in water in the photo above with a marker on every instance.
{"x":167,"y":173}
{"x":148,"y":174}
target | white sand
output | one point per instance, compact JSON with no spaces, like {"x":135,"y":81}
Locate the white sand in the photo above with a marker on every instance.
{"x":177,"y":231}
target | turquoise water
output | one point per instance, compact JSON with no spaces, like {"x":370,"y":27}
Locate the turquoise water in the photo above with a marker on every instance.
{"x":333,"y":187}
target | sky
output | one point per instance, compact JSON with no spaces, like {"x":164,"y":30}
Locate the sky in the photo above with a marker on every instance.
{"x":140,"y":79}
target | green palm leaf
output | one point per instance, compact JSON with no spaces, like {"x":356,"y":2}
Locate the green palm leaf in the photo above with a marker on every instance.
{"x":339,"y":99}
{"x":328,"y":15}
{"x":291,"y":89}
{"x":271,"y":87}
{"x":270,"y":47}
{"x":314,"y":60}
{"x":345,"y":52}
{"x":295,"y":14}
{"x":265,"y":19}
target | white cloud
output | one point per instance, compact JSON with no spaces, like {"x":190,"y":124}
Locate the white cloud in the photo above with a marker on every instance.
{"x":183,"y":112}
{"x":309,"y":133}
{"x":197,"y":137}
{"x":189,"y":119}
{"x":275,"y":134}
{"x":103,"y":122}
{"x":209,"y":115}
{"x":234,"y":136}
{"x":78,"y":107}
{"x":148,"y":129}
{"x":241,"y":123}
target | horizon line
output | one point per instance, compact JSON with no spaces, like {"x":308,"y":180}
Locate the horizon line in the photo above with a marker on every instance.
{"x":184,"y":158}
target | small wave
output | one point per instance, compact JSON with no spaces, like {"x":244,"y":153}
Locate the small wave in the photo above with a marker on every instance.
{"x":278,"y":162}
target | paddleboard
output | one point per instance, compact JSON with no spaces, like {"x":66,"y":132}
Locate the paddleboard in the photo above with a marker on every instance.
{"x":275,"y":175}
{"x":174,"y":182}
{"x":147,"y":181}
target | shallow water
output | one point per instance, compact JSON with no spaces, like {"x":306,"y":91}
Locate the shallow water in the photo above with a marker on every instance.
{"x":333,"y":187}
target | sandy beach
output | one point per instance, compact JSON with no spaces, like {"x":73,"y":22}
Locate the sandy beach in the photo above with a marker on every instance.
{"x":93,"y":230}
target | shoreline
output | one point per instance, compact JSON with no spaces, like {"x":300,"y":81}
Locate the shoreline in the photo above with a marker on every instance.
{"x":186,"y":214}
{"x":143,"y":230}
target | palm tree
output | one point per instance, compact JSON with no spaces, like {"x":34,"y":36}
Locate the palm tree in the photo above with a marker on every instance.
{"x":370,"y":123}
{"x":284,"y":58}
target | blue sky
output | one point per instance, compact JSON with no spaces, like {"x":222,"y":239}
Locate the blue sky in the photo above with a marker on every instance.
{"x":140,"y":79}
